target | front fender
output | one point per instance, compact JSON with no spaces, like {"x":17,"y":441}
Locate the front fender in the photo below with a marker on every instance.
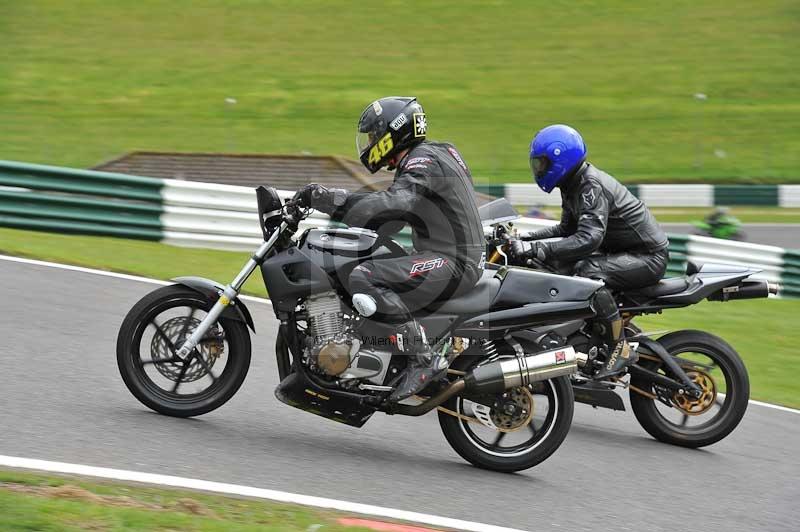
{"x":211,"y":290}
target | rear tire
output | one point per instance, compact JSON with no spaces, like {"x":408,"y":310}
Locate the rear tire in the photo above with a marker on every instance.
{"x":150,"y":394}
{"x":471,"y":451}
{"x":737,"y":388}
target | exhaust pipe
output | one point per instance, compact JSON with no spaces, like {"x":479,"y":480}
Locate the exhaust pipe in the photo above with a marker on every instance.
{"x":748,"y":289}
{"x":504,"y":374}
{"x":497,"y":377}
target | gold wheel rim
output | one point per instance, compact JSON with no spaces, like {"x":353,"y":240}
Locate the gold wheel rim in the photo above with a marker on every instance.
{"x":523,"y":397}
{"x":694,"y":407}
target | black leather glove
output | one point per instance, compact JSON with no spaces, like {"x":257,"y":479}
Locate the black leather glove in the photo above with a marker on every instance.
{"x":516,"y":250}
{"x":539,"y":251}
{"x":521,"y":256}
{"x":305,"y":196}
{"x":321,"y":198}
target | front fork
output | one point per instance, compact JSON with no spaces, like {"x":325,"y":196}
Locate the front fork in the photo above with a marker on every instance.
{"x":498,"y":256}
{"x":229,"y":293}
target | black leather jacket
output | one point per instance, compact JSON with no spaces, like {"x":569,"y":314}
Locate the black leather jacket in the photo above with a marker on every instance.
{"x":600,"y":214}
{"x":432,"y":192}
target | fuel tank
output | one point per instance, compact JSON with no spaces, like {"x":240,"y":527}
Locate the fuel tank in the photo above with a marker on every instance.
{"x":322,"y":261}
{"x":522,"y":286}
{"x":334,"y":249}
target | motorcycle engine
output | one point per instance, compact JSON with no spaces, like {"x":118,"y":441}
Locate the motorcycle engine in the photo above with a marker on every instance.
{"x":330,"y":351}
{"x":334,"y":352}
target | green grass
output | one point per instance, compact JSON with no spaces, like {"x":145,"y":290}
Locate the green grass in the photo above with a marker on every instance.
{"x":761,"y":330}
{"x":54,"y":503}
{"x":149,"y":259}
{"x":746,"y":215}
{"x":84,"y":81}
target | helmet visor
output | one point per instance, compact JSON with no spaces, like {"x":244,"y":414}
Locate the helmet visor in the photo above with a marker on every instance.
{"x":539,"y":166}
{"x":364,"y":141}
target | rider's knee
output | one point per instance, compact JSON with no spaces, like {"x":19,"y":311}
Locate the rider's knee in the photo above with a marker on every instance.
{"x":587,"y":268}
{"x":360,"y":279}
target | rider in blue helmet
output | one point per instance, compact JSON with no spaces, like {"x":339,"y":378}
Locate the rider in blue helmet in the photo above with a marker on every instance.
{"x":556,"y":152}
{"x":607,"y":233}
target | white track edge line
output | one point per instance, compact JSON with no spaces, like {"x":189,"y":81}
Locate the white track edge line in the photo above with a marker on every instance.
{"x":776,"y":407}
{"x":248,"y":491}
{"x":246,"y":298}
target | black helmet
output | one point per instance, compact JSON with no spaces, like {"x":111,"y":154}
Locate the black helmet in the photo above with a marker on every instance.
{"x":388,"y":126}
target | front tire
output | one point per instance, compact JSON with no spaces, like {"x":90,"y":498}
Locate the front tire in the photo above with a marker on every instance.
{"x":725,"y":369}
{"x":553,"y":429}
{"x":160,"y":390}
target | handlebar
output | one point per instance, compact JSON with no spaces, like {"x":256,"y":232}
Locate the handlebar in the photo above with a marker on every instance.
{"x":504,"y":239}
{"x":294,"y":212}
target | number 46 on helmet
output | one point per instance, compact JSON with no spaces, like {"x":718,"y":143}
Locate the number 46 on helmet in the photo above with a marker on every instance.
{"x":387,"y":127}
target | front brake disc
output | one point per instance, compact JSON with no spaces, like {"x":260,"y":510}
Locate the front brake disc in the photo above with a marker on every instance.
{"x":210,"y":349}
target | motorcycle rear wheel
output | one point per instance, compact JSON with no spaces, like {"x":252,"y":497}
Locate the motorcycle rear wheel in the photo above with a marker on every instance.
{"x":544,"y":440}
{"x":727,"y":410}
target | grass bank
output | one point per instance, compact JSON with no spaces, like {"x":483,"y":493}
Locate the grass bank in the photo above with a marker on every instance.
{"x":137,"y":257}
{"x":54,"y":503}
{"x":682,"y":91}
{"x":761,"y":330}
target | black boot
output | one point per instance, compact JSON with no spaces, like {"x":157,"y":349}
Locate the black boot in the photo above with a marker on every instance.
{"x":618,"y":354}
{"x":615,"y":363}
{"x":423,"y":367}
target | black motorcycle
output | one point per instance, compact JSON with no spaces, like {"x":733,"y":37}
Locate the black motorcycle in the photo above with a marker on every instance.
{"x":506,"y":404}
{"x":689,"y":387}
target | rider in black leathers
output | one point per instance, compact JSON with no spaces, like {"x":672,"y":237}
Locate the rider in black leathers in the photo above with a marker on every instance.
{"x":432,"y":192}
{"x":608,"y":233}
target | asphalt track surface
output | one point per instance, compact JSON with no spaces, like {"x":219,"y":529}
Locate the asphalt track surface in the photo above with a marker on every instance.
{"x":781,"y":235}
{"x":63,"y":400}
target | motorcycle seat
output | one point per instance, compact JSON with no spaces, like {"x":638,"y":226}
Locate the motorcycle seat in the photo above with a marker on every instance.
{"x":665,"y":287}
{"x":477,"y":300}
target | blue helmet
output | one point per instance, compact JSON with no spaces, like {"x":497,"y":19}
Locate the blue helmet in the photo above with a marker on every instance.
{"x":556,"y":152}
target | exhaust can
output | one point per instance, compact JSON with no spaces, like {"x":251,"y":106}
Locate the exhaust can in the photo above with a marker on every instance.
{"x":501,"y":375}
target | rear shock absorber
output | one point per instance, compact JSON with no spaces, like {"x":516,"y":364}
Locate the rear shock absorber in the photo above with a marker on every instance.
{"x":489,"y":347}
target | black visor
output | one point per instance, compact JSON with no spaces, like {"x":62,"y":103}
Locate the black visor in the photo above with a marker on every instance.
{"x":539,"y":166}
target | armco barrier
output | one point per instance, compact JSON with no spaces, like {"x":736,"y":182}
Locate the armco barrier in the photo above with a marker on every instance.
{"x":100,"y":203}
{"x":227,"y":220}
{"x":528,"y":194}
{"x":83,"y":182}
{"x":767,"y":258}
{"x":194,"y":214}
{"x":79,"y":201}
{"x":790,"y":278}
{"x":766,"y":195}
{"x":677,"y":195}
{"x":789,"y":195}
{"x":678,"y":255}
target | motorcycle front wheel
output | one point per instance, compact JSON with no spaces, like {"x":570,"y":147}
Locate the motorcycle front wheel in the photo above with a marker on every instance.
{"x":693,"y":422}
{"x":147,"y":343}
